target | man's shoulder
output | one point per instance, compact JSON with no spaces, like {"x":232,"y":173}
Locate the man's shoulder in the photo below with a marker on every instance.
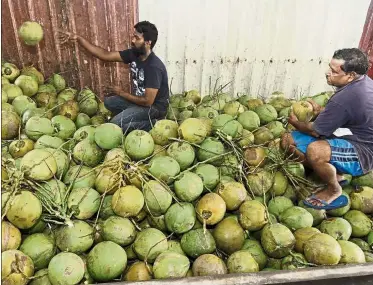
{"x":156,"y":62}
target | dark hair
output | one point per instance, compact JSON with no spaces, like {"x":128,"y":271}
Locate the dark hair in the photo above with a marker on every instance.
{"x":355,"y":60}
{"x":149,"y":31}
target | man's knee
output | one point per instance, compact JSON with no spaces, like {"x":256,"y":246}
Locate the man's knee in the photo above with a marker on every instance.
{"x":318,"y":151}
{"x":287,"y":141}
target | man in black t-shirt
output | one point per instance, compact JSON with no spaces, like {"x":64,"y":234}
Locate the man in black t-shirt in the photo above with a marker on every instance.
{"x":148,"y":100}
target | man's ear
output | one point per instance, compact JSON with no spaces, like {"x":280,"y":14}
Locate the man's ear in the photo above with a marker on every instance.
{"x":148,"y":43}
{"x":352,"y":76}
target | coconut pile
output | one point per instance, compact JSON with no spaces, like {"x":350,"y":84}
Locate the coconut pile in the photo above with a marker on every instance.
{"x":207,"y":191}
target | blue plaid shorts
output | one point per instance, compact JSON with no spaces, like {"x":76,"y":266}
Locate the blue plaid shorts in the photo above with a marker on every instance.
{"x":344,"y":156}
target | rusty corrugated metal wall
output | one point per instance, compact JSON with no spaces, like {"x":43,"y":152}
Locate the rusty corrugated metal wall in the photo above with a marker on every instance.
{"x":106,"y":23}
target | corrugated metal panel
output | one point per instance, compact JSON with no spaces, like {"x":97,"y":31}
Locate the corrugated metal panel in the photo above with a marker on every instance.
{"x":366,"y":42}
{"x":261,"y":46}
{"x":106,"y":23}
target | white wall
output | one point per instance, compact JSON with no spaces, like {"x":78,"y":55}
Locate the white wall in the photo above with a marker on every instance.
{"x":259,"y":45}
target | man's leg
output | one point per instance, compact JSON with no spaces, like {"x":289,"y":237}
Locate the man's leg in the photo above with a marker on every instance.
{"x":288,"y":144}
{"x":117,"y":104}
{"x":318,"y":155}
{"x":136,"y":117}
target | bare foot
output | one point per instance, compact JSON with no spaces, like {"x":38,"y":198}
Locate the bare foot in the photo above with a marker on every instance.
{"x":328,"y":195}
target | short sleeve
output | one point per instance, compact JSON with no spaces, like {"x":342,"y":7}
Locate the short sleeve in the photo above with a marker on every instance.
{"x":127,"y":56}
{"x":333,"y":117}
{"x":153,"y":77}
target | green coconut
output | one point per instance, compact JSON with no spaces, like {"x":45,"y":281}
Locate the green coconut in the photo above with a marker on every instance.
{"x":364,"y":180}
{"x":210,"y":209}
{"x":139,"y":144}
{"x":172,"y":113}
{"x":321,"y":99}
{"x":193,"y":95}
{"x":175,"y":246}
{"x":19,"y":148}
{"x":83,"y":202}
{"x":233,"y":108}
{"x":260,"y":182}
{"x":341,"y":211}
{"x":36,"y":127}
{"x":188,"y":187}
{"x":77,"y":237}
{"x":88,"y":106}
{"x":54,"y":189}
{"x":294,"y":261}
{"x":66,"y":268}
{"x":64,"y":127}
{"x":276,"y":128}
{"x":322,"y":249}
{"x":370,"y":239}
{"x":10,"y":124}
{"x":295,"y":169}
{"x":361,"y":243}
{"x":86,"y":132}
{"x":33,"y":72}
{"x":183,"y":153}
{"x":80,"y":177}
{"x":255,"y":249}
{"x":233,"y":194}
{"x":247,"y":139}
{"x":66,"y":94}
{"x":197,"y":242}
{"x":303,"y":235}
{"x":230,"y":165}
{"x":180,"y":217}
{"x":22,"y":103}
{"x":31,"y":33}
{"x":303,"y":110}
{"x":8,"y":108}
{"x":338,"y":228}
{"x":277,"y":240}
{"x":39,"y":164}
{"x":192,"y":130}
{"x":9,"y":71}
{"x":242,"y":261}
{"x":58,"y":82}
{"x":37,"y":112}
{"x":119,"y":230}
{"x":252,"y":104}
{"x":108,"y":136}
{"x":127,"y":201}
{"x":13,"y":91}
{"x":278,"y":205}
{"x":47,"y":88}
{"x":28,"y":85}
{"x":82,"y":120}
{"x":16,"y":267}
{"x":205,"y":112}
{"x":47,"y":141}
{"x":116,"y":154}
{"x":149,"y":244}
{"x":318,"y":215}
{"x":226,"y":124}
{"x":186,"y":104}
{"x":138,"y":271}
{"x":46,"y":100}
{"x":41,"y":278}
{"x":88,"y":153}
{"x":362,"y":200}
{"x":108,"y":180}
{"x":157,"y":222}
{"x":361,"y":224}
{"x":157,"y":198}
{"x":163,"y":131}
{"x":10,"y":236}
{"x":229,"y":235}
{"x":266,"y":113}
{"x":256,"y":156}
{"x":279,"y":103}
{"x":280,"y":184}
{"x":209,"y":265}
{"x":40,"y":248}
{"x":106,"y":209}
{"x":209,"y":175}
{"x":70,"y":109}
{"x":296,"y":218}
{"x":170,"y":265}
{"x":164,"y":168}
{"x":351,"y":253}
{"x":209,"y":149}
{"x":262,"y":136}
{"x":249,"y":220}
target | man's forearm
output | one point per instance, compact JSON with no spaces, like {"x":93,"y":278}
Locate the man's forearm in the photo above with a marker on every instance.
{"x":92,"y":49}
{"x":305,"y":127}
{"x":138,"y":100}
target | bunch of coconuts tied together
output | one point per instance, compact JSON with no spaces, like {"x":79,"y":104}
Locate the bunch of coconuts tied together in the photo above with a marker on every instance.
{"x":207,"y":191}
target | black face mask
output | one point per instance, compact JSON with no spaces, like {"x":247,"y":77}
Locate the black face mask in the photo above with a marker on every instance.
{"x":139,"y":51}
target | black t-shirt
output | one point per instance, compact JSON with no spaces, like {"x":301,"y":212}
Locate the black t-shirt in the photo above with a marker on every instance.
{"x":150,"y":73}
